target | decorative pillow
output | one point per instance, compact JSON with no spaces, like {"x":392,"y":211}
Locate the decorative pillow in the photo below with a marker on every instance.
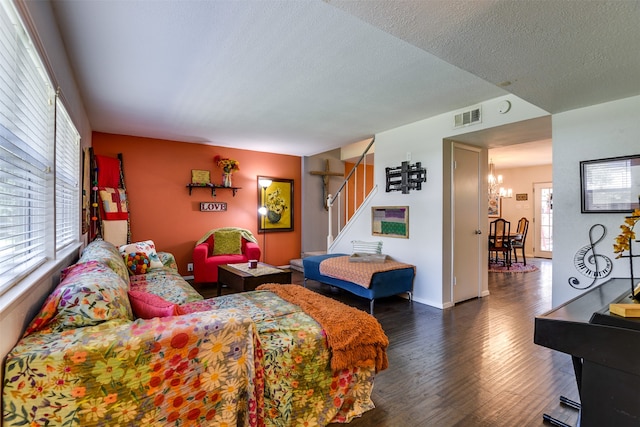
{"x":148,"y":306}
{"x":360,"y":247}
{"x":137,"y":262}
{"x":147,"y":247}
{"x":88,"y":295}
{"x":227,"y":242}
{"x":114,"y":203}
{"x":49,"y":308}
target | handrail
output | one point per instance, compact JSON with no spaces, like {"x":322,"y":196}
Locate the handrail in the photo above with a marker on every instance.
{"x":355,"y":167}
{"x":331,"y":199}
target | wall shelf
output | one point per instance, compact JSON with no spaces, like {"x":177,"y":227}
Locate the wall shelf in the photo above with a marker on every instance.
{"x":213,"y":188}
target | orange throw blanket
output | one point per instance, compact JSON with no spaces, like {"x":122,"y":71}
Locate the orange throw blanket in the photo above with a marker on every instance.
{"x":354,"y":336}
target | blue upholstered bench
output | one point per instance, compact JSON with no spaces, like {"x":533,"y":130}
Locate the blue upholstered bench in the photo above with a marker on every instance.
{"x":383,"y":284}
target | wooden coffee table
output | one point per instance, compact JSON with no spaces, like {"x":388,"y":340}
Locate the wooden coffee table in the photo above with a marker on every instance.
{"x":241,"y":281}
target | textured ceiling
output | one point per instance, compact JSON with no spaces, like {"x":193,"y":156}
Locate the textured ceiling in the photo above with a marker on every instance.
{"x":303,"y":77}
{"x":557,"y":54}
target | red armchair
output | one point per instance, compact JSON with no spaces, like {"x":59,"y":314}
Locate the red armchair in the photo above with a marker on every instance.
{"x":205,"y":264}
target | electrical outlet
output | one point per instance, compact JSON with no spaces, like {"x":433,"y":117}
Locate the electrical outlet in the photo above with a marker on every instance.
{"x":190,"y":266}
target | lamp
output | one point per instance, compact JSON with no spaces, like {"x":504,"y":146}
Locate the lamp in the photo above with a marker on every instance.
{"x":264,"y":183}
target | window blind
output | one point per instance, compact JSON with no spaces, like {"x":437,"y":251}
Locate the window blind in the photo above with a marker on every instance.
{"x":67,"y":170}
{"x":26,"y":133}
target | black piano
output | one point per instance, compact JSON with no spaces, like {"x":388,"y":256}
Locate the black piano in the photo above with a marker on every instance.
{"x":605,"y":349}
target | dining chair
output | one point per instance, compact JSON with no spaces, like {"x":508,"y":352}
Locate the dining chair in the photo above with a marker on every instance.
{"x":499,"y":242}
{"x":518,"y":241}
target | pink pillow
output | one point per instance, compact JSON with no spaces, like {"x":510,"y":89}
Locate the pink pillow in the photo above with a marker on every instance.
{"x":148,"y":306}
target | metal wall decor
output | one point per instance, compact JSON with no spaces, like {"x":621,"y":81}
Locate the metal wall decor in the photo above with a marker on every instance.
{"x":590,"y":263}
{"x":406,"y":177}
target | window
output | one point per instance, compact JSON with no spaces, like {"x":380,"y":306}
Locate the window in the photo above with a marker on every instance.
{"x":29,"y":194}
{"x":67,"y":143}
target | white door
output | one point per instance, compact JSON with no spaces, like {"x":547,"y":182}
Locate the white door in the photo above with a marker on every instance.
{"x":543,"y":220}
{"x":467,"y":240}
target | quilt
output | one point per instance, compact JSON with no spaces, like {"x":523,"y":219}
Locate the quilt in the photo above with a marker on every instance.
{"x":300,"y":388}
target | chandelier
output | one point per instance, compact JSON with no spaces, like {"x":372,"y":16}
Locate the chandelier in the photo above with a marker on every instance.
{"x":495,"y":182}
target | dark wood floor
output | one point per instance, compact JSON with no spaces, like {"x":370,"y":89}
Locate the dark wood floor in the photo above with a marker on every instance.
{"x":471,"y":365}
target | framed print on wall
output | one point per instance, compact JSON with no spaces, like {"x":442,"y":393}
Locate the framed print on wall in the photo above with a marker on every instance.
{"x":390,"y":221}
{"x":610,"y":185}
{"x":494,"y":205}
{"x":200,"y":177}
{"x":277,"y":201}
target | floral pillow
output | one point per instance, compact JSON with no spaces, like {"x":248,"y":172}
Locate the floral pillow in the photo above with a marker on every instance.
{"x":147,"y":247}
{"x":89,"y":294}
{"x":227,"y":242}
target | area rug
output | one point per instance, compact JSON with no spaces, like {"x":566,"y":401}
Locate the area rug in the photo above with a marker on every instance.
{"x":516,"y":267}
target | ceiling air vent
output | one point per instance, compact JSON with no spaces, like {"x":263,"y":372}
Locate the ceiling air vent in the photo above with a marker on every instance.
{"x":467,"y":118}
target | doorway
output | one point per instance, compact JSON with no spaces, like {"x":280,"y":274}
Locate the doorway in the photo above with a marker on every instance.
{"x":512,"y":138}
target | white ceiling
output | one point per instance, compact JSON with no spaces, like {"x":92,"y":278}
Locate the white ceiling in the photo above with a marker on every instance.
{"x":304,"y":77}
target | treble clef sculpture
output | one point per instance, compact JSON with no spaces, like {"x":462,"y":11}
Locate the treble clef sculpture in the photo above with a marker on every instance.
{"x":589,"y":263}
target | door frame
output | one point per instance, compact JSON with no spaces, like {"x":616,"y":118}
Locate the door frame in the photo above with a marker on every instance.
{"x":448,"y":220}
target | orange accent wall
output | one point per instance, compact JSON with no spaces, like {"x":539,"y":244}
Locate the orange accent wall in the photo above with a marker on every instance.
{"x":157,"y":172}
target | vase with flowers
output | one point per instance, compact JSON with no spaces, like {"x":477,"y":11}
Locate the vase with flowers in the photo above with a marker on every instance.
{"x":229,"y":166}
{"x":276,"y":206}
{"x":624,"y":243}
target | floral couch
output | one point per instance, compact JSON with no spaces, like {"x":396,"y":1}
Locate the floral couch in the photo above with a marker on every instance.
{"x":110,"y":347}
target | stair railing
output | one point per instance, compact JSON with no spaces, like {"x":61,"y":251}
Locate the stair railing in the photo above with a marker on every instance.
{"x":331,"y":199}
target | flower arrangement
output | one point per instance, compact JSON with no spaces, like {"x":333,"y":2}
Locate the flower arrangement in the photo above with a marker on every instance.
{"x":623,"y":240}
{"x":227,"y":165}
{"x":275,"y":202}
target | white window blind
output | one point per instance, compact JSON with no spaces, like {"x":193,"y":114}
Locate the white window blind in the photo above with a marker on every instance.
{"x":26,"y":133}
{"x":67,"y":141}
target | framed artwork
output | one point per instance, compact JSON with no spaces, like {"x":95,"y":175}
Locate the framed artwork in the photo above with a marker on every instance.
{"x":390,"y":221}
{"x":200,"y":177}
{"x":494,"y":205}
{"x":610,"y":185}
{"x":276,"y":201}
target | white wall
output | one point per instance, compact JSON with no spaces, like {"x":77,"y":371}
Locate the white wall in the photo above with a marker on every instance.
{"x":600,"y":131}
{"x":424,"y":140}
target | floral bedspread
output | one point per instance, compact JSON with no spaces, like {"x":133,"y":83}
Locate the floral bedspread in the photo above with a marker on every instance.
{"x":192,"y":370}
{"x":300,"y":388}
{"x":249,"y":359}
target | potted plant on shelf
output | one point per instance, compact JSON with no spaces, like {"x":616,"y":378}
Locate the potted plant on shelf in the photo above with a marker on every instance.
{"x":624,"y":243}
